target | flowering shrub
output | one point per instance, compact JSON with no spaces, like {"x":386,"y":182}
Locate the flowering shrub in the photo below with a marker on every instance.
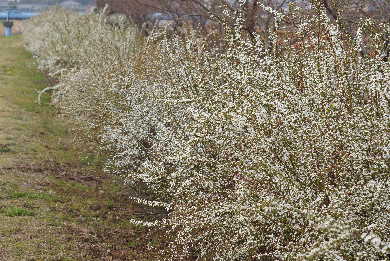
{"x":255,"y":153}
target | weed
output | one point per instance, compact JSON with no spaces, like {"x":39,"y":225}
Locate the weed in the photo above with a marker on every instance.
{"x":17,"y":212}
{"x":4,"y":148}
{"x":33,"y":195}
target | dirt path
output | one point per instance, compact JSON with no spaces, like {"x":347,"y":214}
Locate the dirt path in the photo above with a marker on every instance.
{"x":54,"y":203}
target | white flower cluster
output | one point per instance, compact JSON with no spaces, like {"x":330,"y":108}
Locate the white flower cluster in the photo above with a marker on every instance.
{"x":254,"y":154}
{"x":376,"y":242}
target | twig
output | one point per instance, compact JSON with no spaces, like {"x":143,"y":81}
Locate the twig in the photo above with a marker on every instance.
{"x":45,"y":90}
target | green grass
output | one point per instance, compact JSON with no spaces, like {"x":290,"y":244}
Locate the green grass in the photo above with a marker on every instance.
{"x":4,"y":148}
{"x":33,"y":195}
{"x":43,"y":196}
{"x":132,"y":243}
{"x":17,"y":212}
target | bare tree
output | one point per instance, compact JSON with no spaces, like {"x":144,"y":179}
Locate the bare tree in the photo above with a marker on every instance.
{"x":347,"y":14}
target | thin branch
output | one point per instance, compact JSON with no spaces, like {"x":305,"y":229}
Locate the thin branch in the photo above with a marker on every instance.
{"x":45,"y":90}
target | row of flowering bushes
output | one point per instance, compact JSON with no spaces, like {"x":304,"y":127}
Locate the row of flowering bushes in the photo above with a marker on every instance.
{"x":251,"y":153}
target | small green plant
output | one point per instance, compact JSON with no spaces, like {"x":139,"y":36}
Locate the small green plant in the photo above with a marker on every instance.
{"x":32,"y":195}
{"x":132,"y":243}
{"x":88,"y":160}
{"x":4,"y":148}
{"x":17,"y":212}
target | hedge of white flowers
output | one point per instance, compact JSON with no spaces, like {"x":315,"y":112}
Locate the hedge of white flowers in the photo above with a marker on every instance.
{"x":253,"y":153}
